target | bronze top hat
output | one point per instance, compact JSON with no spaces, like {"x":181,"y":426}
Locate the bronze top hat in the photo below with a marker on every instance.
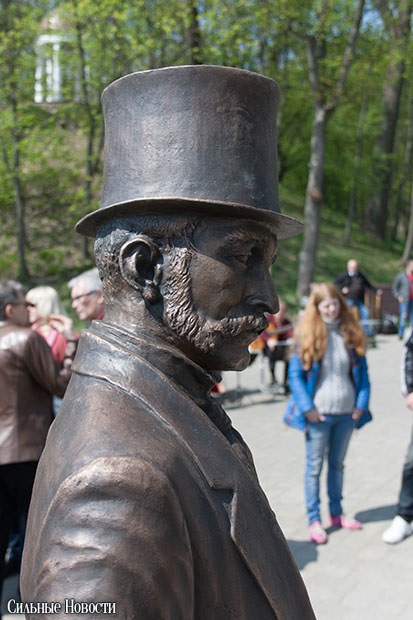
{"x":196,"y":138}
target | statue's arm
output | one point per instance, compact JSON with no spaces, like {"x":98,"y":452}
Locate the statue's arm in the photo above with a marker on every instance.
{"x":115,"y":532}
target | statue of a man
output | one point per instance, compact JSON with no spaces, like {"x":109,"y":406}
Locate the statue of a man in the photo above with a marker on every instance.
{"x":146,"y":497}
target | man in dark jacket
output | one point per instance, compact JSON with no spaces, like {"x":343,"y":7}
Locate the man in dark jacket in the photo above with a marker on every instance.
{"x":402,"y":289}
{"x":146,"y":501}
{"x":28,"y":380}
{"x":401,"y":526}
{"x":354,"y":285}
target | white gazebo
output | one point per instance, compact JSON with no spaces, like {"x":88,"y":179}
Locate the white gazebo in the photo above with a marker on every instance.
{"x":52,"y":50}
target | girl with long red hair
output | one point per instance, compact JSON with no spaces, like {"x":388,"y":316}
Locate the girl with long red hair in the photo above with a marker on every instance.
{"x":330,"y":393}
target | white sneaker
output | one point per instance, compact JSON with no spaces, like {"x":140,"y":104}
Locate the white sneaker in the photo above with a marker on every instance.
{"x":398,"y":531}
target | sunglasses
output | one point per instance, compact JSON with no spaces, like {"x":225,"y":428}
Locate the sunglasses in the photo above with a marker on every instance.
{"x":79,"y":297}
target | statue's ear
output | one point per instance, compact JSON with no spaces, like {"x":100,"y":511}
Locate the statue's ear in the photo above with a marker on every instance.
{"x":140,"y":265}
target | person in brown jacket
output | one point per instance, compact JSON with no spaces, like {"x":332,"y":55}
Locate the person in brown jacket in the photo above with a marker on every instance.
{"x":28,"y":380}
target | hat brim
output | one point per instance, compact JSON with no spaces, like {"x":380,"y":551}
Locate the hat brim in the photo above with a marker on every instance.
{"x":283,"y":226}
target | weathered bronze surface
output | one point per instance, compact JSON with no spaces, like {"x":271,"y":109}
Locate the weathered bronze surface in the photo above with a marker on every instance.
{"x":146,"y":496}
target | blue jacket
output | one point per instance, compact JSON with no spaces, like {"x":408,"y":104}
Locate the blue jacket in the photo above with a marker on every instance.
{"x":303,"y":384}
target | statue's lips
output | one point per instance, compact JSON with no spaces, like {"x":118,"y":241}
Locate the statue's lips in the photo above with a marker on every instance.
{"x":245,"y":328}
{"x":253,"y":329}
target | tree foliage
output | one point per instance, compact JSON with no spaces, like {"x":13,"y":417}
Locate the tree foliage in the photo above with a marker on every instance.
{"x":331,"y":59}
{"x":396,"y":18}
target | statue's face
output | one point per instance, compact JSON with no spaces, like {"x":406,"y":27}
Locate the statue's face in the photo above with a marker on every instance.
{"x":215,"y":296}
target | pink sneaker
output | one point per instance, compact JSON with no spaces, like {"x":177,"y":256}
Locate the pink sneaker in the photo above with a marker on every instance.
{"x":317,"y":533}
{"x":345,"y":522}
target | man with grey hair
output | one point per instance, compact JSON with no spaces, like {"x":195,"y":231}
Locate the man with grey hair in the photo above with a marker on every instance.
{"x":87,"y":296}
{"x":147,"y":503}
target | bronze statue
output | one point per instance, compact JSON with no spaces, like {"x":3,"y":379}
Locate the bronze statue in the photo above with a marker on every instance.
{"x":146,"y":497}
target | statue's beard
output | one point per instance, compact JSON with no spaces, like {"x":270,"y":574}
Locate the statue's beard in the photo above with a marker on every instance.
{"x":182,"y":318}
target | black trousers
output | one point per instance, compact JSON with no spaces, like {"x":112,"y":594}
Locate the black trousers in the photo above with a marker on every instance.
{"x":278,"y":354}
{"x":16,"y":484}
{"x":405,"y":506}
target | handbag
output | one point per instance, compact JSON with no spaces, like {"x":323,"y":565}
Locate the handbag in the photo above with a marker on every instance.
{"x":292,"y":416}
{"x":365,"y":417}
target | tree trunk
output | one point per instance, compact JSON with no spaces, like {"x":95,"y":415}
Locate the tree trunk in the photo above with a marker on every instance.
{"x":195,"y":36}
{"x":357,"y":156}
{"x":23,"y":272}
{"x":14,"y":167}
{"x":409,"y":239}
{"x":90,"y":159}
{"x":408,"y":151}
{"x":324,"y":106}
{"x":378,"y":205}
{"x":313,"y":200}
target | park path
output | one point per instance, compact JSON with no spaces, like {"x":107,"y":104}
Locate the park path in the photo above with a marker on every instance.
{"x":355,"y":576}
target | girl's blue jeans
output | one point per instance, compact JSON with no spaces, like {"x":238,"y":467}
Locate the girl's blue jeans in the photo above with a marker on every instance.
{"x":330,"y":440}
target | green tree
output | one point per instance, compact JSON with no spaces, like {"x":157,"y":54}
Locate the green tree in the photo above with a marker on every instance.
{"x":330,"y":52}
{"x":17,"y":35}
{"x":396,"y":18}
{"x":51,"y":159}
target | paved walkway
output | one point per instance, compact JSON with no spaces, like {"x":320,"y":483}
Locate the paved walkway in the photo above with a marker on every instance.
{"x":355,"y":576}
